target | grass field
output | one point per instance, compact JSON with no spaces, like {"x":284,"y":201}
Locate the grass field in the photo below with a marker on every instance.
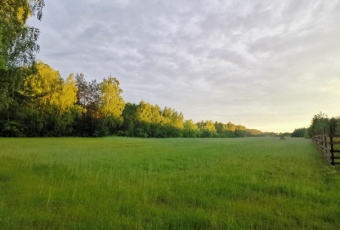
{"x":121,"y":183}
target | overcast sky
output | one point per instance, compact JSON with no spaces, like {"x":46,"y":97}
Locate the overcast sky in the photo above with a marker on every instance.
{"x":269,"y":65}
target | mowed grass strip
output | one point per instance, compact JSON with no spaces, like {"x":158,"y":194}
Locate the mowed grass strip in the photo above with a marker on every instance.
{"x":126,"y":183}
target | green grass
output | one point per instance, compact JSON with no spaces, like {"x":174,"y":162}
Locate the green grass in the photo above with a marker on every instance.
{"x":121,"y":183}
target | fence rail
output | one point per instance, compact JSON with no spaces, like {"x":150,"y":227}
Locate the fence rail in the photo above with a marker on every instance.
{"x":329,"y":146}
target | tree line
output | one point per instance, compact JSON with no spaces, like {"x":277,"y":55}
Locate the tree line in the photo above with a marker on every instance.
{"x":320,"y":124}
{"x":45,"y":104}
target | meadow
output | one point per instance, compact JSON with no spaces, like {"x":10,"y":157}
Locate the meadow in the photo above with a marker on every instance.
{"x":131,"y":183}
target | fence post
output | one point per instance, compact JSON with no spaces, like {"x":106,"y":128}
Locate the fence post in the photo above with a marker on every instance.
{"x":331,"y":143}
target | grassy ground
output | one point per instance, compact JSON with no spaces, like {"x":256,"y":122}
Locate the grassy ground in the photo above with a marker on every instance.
{"x":120,"y":183}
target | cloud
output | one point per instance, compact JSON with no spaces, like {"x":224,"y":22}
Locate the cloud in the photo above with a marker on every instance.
{"x":250,"y":62}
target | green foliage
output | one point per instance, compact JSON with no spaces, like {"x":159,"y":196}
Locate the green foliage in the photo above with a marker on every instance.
{"x":50,"y":106}
{"x":12,"y":129}
{"x":190,"y":129}
{"x":300,"y":132}
{"x":146,"y":120}
{"x":218,"y":129}
{"x":127,"y":183}
{"x":319,"y":124}
{"x":322,"y":124}
{"x":129,"y":123}
{"x":207,"y":129}
{"x":240,"y":131}
{"x":88,"y":96}
{"x":2,"y":56}
{"x":17,"y":46}
{"x":111,"y":104}
{"x":110,"y":107}
{"x":18,"y":41}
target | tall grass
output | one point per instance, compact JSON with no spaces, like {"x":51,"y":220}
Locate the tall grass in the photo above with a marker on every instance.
{"x":121,"y":183}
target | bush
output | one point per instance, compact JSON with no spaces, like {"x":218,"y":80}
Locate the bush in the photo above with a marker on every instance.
{"x":12,"y":129}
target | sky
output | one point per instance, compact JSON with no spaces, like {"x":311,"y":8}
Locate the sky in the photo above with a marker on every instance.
{"x":268,"y":65}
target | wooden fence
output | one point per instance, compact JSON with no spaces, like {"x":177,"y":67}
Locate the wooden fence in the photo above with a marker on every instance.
{"x":329,"y":146}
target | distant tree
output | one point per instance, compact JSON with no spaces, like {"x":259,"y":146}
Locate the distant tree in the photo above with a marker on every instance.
{"x":67,"y":109}
{"x":231,"y":128}
{"x":300,"y":132}
{"x":209,"y":126}
{"x":335,"y":125}
{"x":83,"y":93}
{"x":144,"y":118}
{"x":111,"y":105}
{"x":319,"y":124}
{"x":284,"y":135}
{"x":88,"y":96}
{"x":41,"y":91}
{"x":221,"y":129}
{"x":207,"y":129}
{"x":254,"y":133}
{"x":190,"y":129}
{"x":240,"y":131}
{"x":129,"y":125}
{"x":50,"y":102}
